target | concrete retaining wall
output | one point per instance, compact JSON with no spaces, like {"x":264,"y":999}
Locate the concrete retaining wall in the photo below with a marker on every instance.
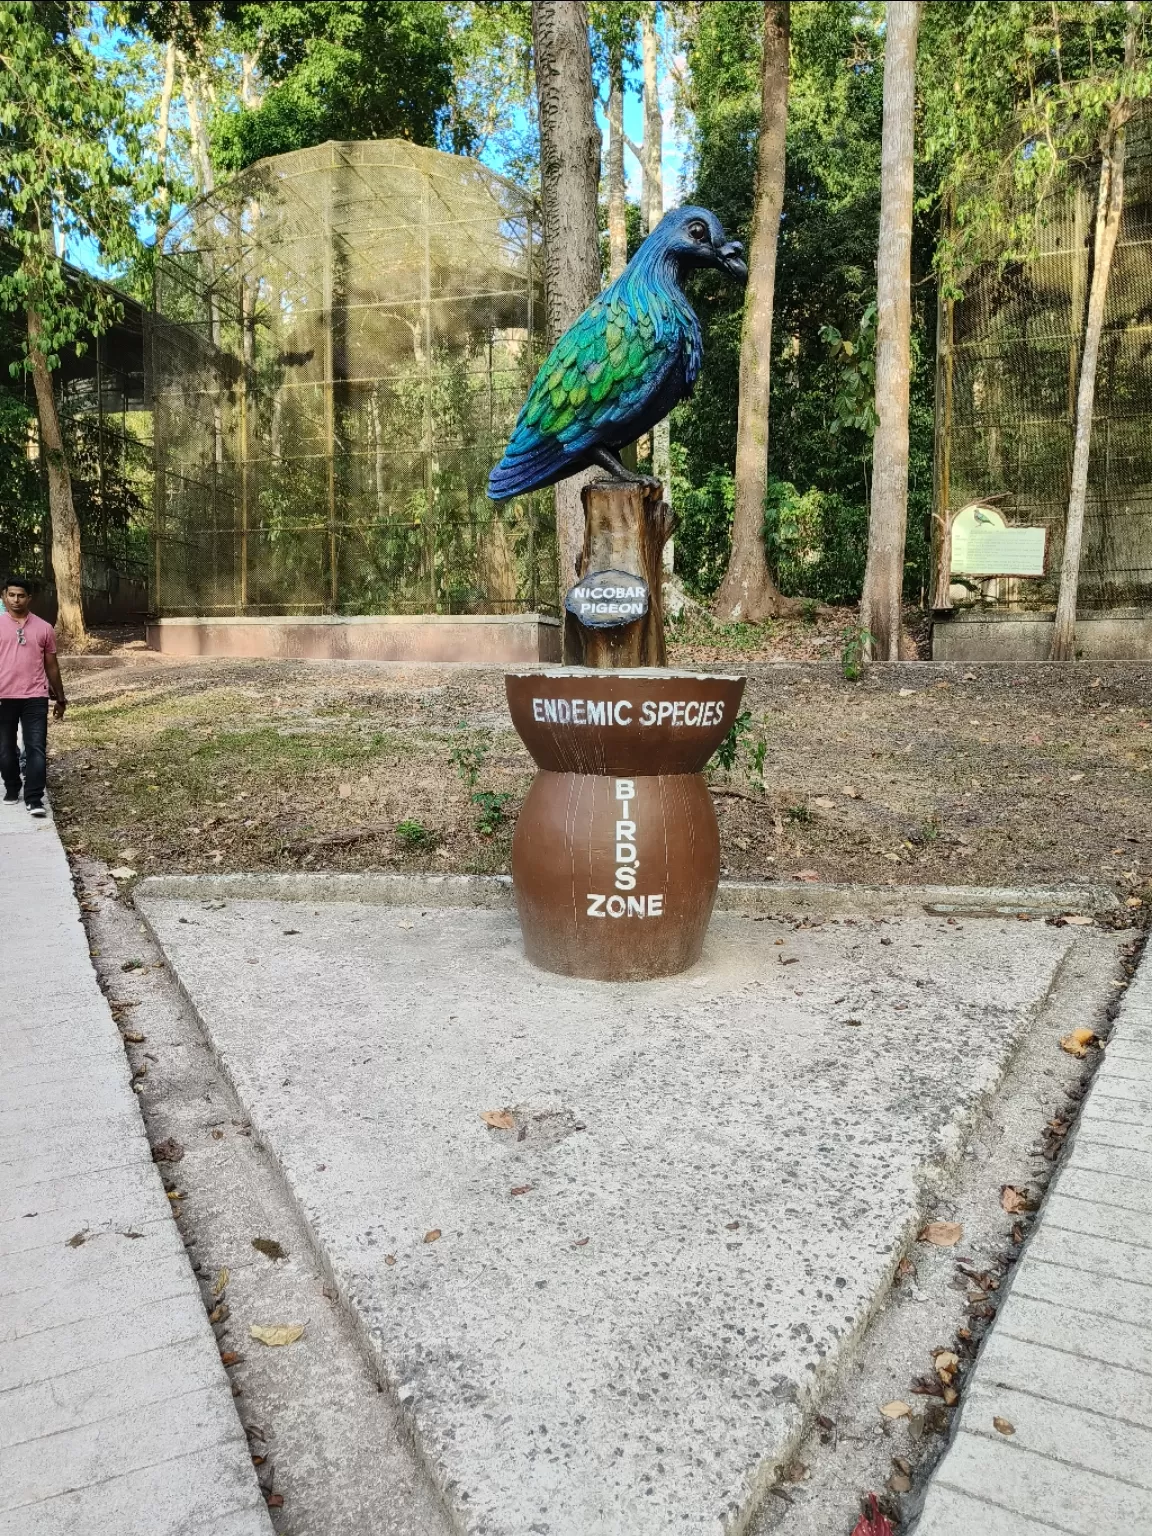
{"x":494,"y":639}
{"x":1020,"y":637}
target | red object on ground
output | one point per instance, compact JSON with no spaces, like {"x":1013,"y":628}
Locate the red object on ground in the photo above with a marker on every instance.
{"x":873,"y":1523}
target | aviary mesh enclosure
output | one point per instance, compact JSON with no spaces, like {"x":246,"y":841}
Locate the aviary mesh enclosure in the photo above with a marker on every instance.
{"x":343,"y":337}
{"x":1007,"y":374}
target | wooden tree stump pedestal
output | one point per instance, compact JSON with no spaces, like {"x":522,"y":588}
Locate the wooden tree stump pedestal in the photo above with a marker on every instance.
{"x":626,"y":526}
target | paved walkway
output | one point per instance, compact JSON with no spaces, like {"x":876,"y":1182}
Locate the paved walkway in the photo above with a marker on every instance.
{"x":1067,"y":1368}
{"x":116,"y":1416}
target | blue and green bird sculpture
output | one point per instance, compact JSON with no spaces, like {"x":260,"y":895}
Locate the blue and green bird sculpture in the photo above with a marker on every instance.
{"x":632,"y":355}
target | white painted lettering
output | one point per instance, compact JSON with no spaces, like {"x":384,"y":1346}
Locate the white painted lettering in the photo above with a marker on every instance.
{"x":635,"y":906}
{"x":656,"y":906}
{"x":620,"y":707}
{"x":664,"y":712}
{"x":597,"y":711}
{"x":549,"y":709}
{"x":647,"y":713}
{"x":595,"y":906}
{"x":615,"y":906}
{"x":625,"y":789}
{"x":626,"y":853}
{"x":578,"y":712}
{"x":625,"y":829}
{"x":564,"y":711}
{"x":678,"y":712}
{"x":537,"y":709}
{"x":625,"y":878}
{"x":692,"y":712}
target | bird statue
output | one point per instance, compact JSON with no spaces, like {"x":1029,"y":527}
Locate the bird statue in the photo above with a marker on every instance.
{"x":632,"y":355}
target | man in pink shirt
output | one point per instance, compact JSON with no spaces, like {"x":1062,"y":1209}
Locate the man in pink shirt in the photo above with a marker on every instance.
{"x":29,"y":672}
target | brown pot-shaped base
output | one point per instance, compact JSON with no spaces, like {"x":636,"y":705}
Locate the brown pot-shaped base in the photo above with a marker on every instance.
{"x":615,"y":876}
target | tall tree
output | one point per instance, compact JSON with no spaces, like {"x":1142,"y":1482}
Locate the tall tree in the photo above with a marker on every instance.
{"x":1021,"y":101}
{"x":881,"y":604}
{"x":652,"y":211}
{"x":1109,"y":209}
{"x":748,"y":591}
{"x":569,"y":181}
{"x":615,"y":40}
{"x":70,"y":160}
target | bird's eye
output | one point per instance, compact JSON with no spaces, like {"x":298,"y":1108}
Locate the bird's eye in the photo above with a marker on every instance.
{"x":697,"y":230}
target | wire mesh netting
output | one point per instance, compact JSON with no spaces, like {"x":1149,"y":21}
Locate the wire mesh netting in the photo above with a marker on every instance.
{"x":343,"y":337}
{"x":1007,"y":374}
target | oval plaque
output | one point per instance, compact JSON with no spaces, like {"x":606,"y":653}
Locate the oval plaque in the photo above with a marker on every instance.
{"x":607,"y":599}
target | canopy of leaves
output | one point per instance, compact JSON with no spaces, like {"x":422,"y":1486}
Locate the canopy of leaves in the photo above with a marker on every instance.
{"x":343,"y":69}
{"x":1017,"y":97}
{"x":72,"y":167}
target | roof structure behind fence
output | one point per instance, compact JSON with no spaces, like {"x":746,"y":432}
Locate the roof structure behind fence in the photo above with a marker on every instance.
{"x":1007,"y":375}
{"x":342,"y":340}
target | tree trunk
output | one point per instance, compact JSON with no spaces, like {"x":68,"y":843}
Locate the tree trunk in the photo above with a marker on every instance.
{"x":881,"y":603}
{"x":1109,"y":209}
{"x":748,"y":591}
{"x":201,"y":155}
{"x":625,"y":529}
{"x":652,"y":200}
{"x":617,"y":223}
{"x":163,"y":223}
{"x":66,"y":561}
{"x":569,"y":179}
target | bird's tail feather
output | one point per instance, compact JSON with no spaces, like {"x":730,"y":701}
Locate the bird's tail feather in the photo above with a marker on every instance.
{"x":542,"y":463}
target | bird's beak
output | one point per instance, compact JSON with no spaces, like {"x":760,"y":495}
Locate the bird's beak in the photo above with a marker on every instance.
{"x":729,"y":258}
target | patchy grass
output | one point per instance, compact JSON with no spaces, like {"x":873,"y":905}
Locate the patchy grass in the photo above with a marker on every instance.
{"x":990,"y":775}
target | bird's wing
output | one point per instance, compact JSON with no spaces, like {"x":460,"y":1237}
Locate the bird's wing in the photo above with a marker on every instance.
{"x":597,"y":375}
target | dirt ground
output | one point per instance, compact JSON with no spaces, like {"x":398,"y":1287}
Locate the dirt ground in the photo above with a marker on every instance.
{"x":917,"y":773}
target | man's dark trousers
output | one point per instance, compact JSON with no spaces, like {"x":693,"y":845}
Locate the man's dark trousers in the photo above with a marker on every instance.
{"x":32,"y":716}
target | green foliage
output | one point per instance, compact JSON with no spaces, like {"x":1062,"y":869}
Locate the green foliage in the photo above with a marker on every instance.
{"x":469,"y":756}
{"x":857,"y":642}
{"x":725,"y":754}
{"x":73,"y":166}
{"x":491,"y":804}
{"x":415,"y":835}
{"x":1016,"y":98}
{"x":343,"y":69}
{"x":820,"y":432}
{"x":22,"y":504}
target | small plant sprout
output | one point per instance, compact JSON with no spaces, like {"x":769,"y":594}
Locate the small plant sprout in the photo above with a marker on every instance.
{"x":414,"y":834}
{"x":491,"y":804}
{"x":852,"y":653}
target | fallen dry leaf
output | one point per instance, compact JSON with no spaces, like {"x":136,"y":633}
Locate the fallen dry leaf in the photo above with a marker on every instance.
{"x":230,"y":1357}
{"x":581,"y":1242}
{"x":499,"y":1119}
{"x":1077,"y":920}
{"x":345,"y":791}
{"x":274,"y":1501}
{"x":133,"y":1037}
{"x":806,"y":874}
{"x":824,"y":803}
{"x":1005,"y":1426}
{"x":433,"y":1236}
{"x":951,"y":1396}
{"x":1133,"y":901}
{"x":942,"y":1234}
{"x":220,"y":1313}
{"x":906,"y":693}
{"x":276,"y":1334}
{"x":77,"y":1240}
{"x":269,"y":1247}
{"x":899,"y":1482}
{"x":1078,"y":1042}
{"x":521,"y":1189}
{"x":946,"y":1363}
{"x":896,"y":1410}
{"x":1014,"y":1200}
{"x":851,"y":791}
{"x":222,"y":1277}
{"x":389,"y":1259}
{"x":123,"y":873}
{"x":167,"y":1151}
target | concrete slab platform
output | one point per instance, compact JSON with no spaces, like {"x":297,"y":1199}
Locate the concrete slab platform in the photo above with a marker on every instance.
{"x":616,"y":1314}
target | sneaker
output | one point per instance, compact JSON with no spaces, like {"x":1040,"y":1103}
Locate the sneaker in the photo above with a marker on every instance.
{"x":38,"y":811}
